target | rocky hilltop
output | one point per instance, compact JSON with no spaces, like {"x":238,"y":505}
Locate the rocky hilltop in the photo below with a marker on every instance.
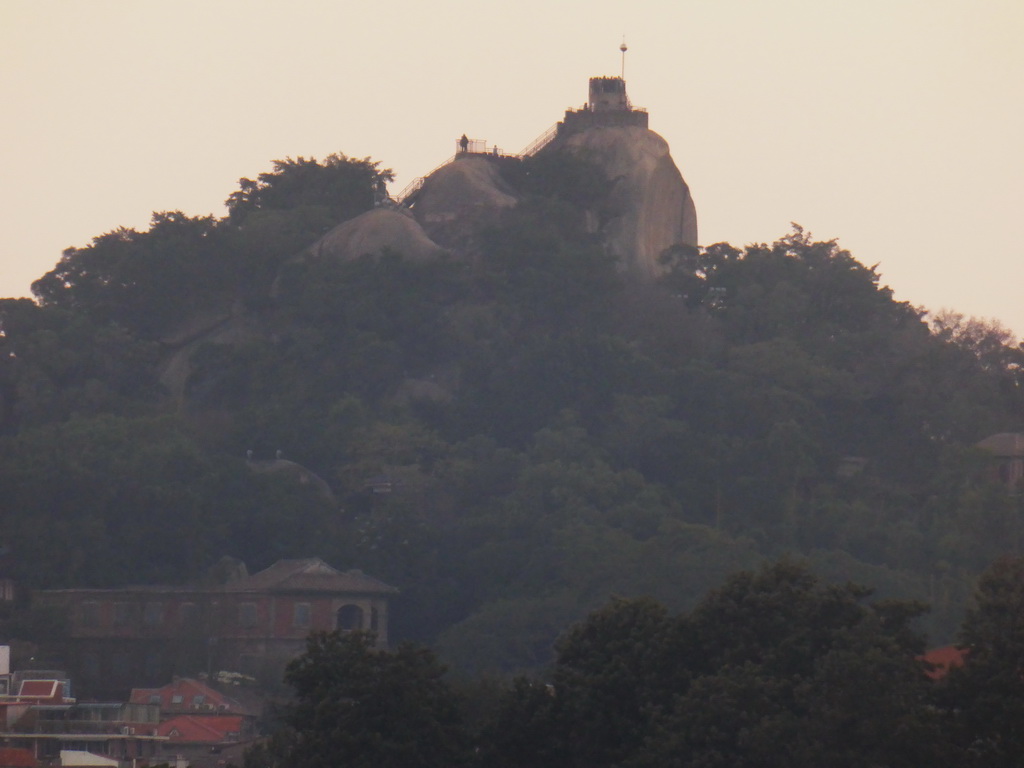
{"x":647,"y":209}
{"x":635,"y":202}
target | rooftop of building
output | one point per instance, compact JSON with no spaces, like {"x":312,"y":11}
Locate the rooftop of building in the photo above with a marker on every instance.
{"x":300,"y":575}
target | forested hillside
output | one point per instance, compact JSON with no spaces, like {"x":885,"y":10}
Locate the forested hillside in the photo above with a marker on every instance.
{"x":511,"y":433}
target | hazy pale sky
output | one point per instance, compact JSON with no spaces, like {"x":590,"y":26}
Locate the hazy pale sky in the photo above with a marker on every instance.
{"x":894,"y":126}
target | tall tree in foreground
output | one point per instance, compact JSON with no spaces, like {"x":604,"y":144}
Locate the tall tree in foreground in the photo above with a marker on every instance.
{"x":986,"y":694}
{"x":773,"y":669}
{"x":363,"y":707}
{"x":780,"y":669}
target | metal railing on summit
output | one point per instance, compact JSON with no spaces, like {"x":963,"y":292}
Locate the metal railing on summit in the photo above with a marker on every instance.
{"x":416,"y":184}
{"x":540,"y":142}
{"x":477,"y":147}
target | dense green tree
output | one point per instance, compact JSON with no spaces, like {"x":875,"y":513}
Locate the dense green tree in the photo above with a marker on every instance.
{"x":613,"y":670}
{"x":789,"y":671}
{"x":361,"y":706}
{"x":774,"y":668}
{"x":524,"y":729}
{"x":985,"y":697}
{"x":149,"y":282}
{"x":55,"y":363}
{"x":138,"y":500}
{"x":343,"y":187}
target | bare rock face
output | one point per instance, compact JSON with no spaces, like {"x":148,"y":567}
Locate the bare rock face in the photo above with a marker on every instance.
{"x":458,"y":198}
{"x":651,"y":206}
{"x":299,"y":473}
{"x":235,"y":328}
{"x":375,"y":231}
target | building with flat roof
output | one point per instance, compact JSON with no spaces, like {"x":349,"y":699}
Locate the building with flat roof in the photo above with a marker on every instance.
{"x":40,"y":721}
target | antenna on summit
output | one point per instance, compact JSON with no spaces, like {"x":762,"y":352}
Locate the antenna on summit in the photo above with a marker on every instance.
{"x":623,"y":48}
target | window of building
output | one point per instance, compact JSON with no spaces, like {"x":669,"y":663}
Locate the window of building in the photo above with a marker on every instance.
{"x":350,"y":617}
{"x":154,"y":698}
{"x":199,"y":700}
{"x":122,"y":665}
{"x":90,"y":666}
{"x":90,"y":614}
{"x":247,"y":614}
{"x":302,"y":614}
{"x":374,"y":620}
{"x":177,"y":698}
{"x":123,"y":614}
{"x":188,"y":614}
{"x":153,"y":614}
{"x":152,"y":666}
{"x":50,"y":749}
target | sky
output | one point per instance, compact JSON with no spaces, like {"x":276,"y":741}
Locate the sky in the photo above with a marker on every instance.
{"x":893,"y":126}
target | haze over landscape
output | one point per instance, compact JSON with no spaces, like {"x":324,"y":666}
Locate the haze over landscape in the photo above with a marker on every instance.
{"x":504,"y":472}
{"x":893,"y":127}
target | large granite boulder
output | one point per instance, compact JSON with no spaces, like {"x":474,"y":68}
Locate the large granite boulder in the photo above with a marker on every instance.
{"x":377,"y":230}
{"x":459,"y":198}
{"x":650,"y":205}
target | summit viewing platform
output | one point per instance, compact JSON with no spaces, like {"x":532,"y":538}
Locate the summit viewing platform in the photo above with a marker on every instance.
{"x":607,"y":106}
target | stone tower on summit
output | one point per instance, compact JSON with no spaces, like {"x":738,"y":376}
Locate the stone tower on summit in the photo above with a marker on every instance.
{"x":652,"y":205}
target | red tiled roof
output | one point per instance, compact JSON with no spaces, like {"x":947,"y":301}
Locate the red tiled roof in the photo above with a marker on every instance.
{"x":309,"y":575}
{"x":188,"y":689}
{"x":198,"y":728}
{"x":11,"y":757}
{"x":943,"y":660}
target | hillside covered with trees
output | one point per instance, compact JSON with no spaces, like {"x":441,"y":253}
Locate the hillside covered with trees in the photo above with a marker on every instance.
{"x":510,"y":434}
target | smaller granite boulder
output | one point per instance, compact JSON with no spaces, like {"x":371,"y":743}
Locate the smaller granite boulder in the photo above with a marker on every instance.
{"x":375,"y":231}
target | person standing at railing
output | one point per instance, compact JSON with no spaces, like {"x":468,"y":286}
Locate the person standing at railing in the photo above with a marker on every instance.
{"x":464,"y":143}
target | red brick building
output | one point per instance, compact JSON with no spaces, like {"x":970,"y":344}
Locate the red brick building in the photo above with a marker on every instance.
{"x":118,"y":639}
